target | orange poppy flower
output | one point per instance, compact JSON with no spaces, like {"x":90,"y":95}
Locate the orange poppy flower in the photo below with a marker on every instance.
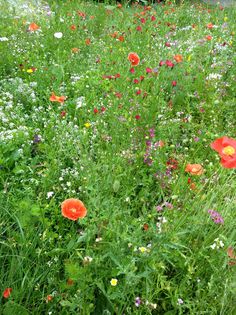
{"x":161,"y":143}
{"x":178,"y":58}
{"x":121,"y":38}
{"x":69,"y":282}
{"x":59,"y":99}
{"x":226,"y":147}
{"x":33,"y":27}
{"x":75,"y":50}
{"x":194,"y":169}
{"x":230,"y":253}
{"x":49,"y":298}
{"x":134,"y":59}
{"x":232,"y":256}
{"x":87,"y":41}
{"x":73,"y":209}
{"x":114,"y":35}
{"x":73,"y":27}
{"x":7,"y":293}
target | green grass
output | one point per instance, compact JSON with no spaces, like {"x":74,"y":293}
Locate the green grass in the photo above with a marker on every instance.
{"x":101,"y":146}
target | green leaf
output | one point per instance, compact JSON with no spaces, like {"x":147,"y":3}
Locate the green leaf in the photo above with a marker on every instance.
{"x":12,"y":308}
{"x":110,"y":7}
{"x":73,"y":270}
{"x":35,"y":210}
{"x":116,"y":186}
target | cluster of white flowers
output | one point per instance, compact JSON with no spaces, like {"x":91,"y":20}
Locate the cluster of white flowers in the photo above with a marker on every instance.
{"x":75,"y":77}
{"x":214,"y":76}
{"x":161,"y":221}
{"x":26,"y":8}
{"x":217,"y":244}
{"x":80,"y":102}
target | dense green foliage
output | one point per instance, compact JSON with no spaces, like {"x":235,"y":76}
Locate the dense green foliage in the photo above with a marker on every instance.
{"x":120,"y":142}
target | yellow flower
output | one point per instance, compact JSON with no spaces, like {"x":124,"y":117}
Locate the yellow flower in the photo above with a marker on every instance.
{"x":225,"y":18}
{"x":87,"y":125}
{"x":114,"y":282}
{"x":142,"y":249}
{"x":29,"y":70}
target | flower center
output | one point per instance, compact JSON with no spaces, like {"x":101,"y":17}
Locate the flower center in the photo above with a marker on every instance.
{"x":229,"y":150}
{"x":73,"y":210}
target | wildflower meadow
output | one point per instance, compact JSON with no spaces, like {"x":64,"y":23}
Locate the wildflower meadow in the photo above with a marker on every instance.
{"x":117,"y":158}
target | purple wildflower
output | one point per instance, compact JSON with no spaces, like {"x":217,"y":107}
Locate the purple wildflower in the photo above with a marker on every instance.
{"x":36,"y":139}
{"x":159,"y":208}
{"x":152,"y":132}
{"x":169,"y":205}
{"x":216,"y":217}
{"x":137,"y":301}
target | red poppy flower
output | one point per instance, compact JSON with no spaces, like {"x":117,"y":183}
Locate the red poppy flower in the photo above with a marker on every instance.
{"x":33,"y":27}
{"x":210,"y":26}
{"x":81,"y":14}
{"x":208,"y":37}
{"x":118,"y":94}
{"x":73,"y":209}
{"x":226,"y":147}
{"x":7,"y":293}
{"x":172,"y":164}
{"x":59,"y":99}
{"x":194,"y":169}
{"x":169,"y":63}
{"x":121,"y":38}
{"x":134,"y":59}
